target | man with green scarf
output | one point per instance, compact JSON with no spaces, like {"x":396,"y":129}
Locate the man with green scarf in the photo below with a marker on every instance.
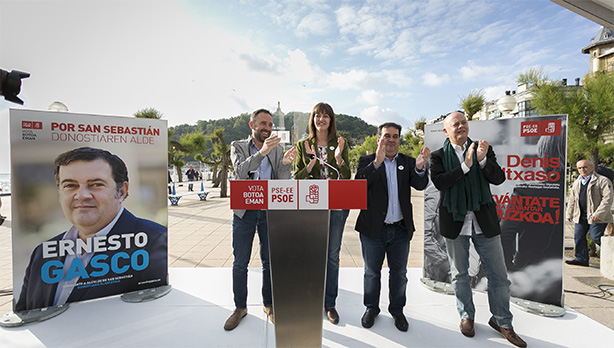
{"x":462,"y":170}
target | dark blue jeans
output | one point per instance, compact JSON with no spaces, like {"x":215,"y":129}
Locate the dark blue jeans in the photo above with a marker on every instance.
{"x":243,"y":230}
{"x":335,"y":235}
{"x":391,"y":242}
{"x":596,"y":231}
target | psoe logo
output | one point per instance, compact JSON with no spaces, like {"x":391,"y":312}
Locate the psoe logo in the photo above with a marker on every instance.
{"x":530,"y":129}
{"x":551,"y":127}
{"x":314,"y":194}
{"x":31,"y":125}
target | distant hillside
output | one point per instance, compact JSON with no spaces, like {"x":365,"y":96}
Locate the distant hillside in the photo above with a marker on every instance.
{"x":238,"y":127}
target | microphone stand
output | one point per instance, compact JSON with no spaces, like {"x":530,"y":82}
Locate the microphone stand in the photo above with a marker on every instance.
{"x":312,"y":156}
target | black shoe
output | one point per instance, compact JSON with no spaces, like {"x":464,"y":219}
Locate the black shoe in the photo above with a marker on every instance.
{"x":400,"y":322}
{"x":332,"y":315}
{"x":576,"y":263}
{"x":368,"y":318}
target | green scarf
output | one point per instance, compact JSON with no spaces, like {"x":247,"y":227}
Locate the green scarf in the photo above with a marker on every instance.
{"x":469,"y":193}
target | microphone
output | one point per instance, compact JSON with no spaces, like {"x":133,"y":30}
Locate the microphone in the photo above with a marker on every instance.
{"x":312,"y":156}
{"x":252,"y":173}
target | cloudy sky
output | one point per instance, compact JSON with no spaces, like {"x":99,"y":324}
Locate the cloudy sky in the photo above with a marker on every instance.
{"x":191,"y":60}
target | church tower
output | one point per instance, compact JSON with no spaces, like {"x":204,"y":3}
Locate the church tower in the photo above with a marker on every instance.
{"x":280,"y":116}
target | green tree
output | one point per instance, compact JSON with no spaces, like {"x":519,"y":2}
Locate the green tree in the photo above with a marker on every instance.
{"x":367,"y":147}
{"x":213,"y":161}
{"x":193,"y":143}
{"x":473,"y":103}
{"x":222,"y":150}
{"x":175,"y":159}
{"x":349,"y":141}
{"x":148,"y":113}
{"x":175,"y":154}
{"x":410,"y":144}
{"x":590,"y":110}
{"x":189,"y":144}
{"x":413,"y":140}
{"x":419,"y":125}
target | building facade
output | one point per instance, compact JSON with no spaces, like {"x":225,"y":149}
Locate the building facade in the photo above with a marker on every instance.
{"x":601,"y":51}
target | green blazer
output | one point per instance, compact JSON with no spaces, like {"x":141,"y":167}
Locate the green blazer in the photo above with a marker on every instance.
{"x":302,"y":160}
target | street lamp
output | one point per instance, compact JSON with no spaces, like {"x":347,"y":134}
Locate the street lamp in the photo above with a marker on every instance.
{"x":506,"y":104}
{"x":58,"y":106}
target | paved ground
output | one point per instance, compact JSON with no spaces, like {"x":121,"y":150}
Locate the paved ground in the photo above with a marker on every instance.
{"x":200,"y":236}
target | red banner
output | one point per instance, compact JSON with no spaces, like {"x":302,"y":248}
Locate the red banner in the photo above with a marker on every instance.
{"x":298,"y":194}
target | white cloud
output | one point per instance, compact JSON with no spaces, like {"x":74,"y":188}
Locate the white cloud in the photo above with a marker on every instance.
{"x":257,"y":63}
{"x":298,"y":67}
{"x":347,"y":20}
{"x":434,"y":80}
{"x":495,"y":92}
{"x":325,"y":50}
{"x":376,"y":116}
{"x":354,"y":79}
{"x":367,"y":30}
{"x":371,"y":97}
{"x":489,"y":34}
{"x":473,"y":71}
{"x":404,"y":46}
{"x":314,"y":23}
{"x":397,"y":78}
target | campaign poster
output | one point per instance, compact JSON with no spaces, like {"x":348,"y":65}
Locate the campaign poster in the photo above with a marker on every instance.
{"x":532,"y":152}
{"x":89,"y":206}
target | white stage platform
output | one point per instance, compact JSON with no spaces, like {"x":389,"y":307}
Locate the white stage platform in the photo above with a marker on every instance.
{"x":193,"y":315}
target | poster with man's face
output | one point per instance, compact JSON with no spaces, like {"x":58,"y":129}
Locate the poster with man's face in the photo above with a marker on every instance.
{"x":530,"y":205}
{"x":89,"y":206}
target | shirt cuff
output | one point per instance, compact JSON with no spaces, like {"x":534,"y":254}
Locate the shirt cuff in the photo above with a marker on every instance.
{"x":482,"y":163}
{"x":419,"y":172}
{"x":464,"y":168}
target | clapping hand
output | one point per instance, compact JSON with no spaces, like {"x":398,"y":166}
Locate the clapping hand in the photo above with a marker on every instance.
{"x":339,"y":151}
{"x":310,"y":152}
{"x":289,"y":156}
{"x":482,"y":149}
{"x":380,"y":153}
{"x":424,"y":155}
{"x":269,"y":144}
{"x":469,"y":155}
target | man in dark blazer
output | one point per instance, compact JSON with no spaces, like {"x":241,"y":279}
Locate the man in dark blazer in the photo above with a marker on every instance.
{"x":107,"y":250}
{"x":462,"y":171}
{"x":387,"y":225}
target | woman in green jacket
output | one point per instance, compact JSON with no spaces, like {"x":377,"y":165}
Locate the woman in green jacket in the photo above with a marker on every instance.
{"x":324,"y":144}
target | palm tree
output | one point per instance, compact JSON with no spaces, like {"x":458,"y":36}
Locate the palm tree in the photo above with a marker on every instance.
{"x":222,"y":150}
{"x":473,"y":103}
{"x":148,"y":113}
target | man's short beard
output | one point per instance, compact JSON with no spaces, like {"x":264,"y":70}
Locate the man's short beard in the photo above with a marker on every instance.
{"x":260,"y":138}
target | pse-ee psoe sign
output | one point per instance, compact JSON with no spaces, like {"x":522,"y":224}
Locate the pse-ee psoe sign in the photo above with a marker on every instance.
{"x":298,"y":194}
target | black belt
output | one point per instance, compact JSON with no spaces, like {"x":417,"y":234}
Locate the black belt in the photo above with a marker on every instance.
{"x":394,"y":223}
